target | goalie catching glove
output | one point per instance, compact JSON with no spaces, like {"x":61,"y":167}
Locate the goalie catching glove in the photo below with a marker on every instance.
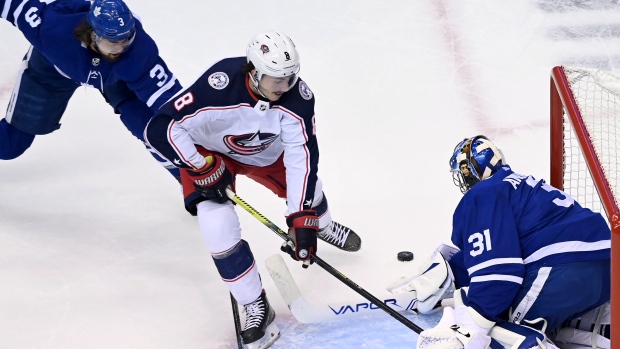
{"x":303,"y":226}
{"x":432,"y":280}
{"x":212,"y":179}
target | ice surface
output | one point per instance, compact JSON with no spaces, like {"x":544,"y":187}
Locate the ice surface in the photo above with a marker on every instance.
{"x":96,"y":250}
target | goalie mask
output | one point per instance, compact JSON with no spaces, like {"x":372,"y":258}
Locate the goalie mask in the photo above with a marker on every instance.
{"x":273,"y":54}
{"x":475,"y":159}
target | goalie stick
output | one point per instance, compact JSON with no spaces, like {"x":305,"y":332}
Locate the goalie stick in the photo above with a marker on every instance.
{"x":321,"y":263}
{"x":307,"y":313}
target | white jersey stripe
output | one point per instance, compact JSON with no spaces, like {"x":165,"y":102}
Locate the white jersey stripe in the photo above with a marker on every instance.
{"x":493,"y":262}
{"x":497,"y":277}
{"x":567,"y":246}
{"x":526,"y":303}
{"x":5,"y":9}
{"x":161,"y":91}
{"x":18,"y":11}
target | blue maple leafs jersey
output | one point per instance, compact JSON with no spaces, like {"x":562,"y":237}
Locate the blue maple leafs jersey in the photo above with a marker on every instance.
{"x":510,"y":224}
{"x":49,"y":27}
{"x":220,"y":113}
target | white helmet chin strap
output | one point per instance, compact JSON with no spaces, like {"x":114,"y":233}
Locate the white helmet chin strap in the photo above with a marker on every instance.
{"x":256,"y":84}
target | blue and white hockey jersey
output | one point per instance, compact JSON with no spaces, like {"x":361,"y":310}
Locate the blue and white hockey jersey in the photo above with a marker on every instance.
{"x":511,"y":224}
{"x":220,"y":113}
{"x":49,"y":26}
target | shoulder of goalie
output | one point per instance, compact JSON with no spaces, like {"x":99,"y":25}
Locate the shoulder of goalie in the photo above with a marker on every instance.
{"x":431,"y":279}
{"x":464,"y":327}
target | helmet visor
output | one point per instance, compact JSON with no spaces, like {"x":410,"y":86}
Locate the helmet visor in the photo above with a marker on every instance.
{"x":113,"y":47}
{"x":278,"y":84}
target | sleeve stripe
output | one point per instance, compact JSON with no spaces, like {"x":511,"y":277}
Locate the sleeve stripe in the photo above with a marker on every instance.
{"x":17,"y":12}
{"x":5,"y":10}
{"x":159,"y":92}
{"x":493,"y":262}
{"x":497,"y":277}
{"x":567,"y":246}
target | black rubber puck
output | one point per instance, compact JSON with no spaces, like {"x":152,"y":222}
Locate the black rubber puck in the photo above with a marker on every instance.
{"x":405,"y":256}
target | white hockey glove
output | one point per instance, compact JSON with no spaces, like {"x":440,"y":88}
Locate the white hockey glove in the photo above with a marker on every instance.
{"x":432,"y":280}
{"x":460,"y":327}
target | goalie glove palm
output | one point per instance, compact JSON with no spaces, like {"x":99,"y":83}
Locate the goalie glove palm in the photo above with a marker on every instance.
{"x":211,"y":181}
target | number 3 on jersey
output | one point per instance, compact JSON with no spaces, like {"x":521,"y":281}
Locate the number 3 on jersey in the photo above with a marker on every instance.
{"x":480,"y":242}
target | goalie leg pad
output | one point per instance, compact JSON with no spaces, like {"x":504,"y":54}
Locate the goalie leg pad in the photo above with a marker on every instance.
{"x":513,"y":336}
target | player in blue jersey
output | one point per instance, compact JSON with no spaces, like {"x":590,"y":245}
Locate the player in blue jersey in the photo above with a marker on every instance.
{"x":249,"y":116}
{"x":525,"y":252}
{"x":77,"y":44}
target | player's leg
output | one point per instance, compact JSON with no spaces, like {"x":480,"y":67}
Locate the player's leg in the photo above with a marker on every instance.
{"x":38,"y":101}
{"x":135,"y":115}
{"x":273,"y":177}
{"x":221,"y":231}
{"x":556,"y":293}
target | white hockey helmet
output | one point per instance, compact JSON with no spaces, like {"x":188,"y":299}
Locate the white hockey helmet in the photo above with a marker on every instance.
{"x":274,"y":54}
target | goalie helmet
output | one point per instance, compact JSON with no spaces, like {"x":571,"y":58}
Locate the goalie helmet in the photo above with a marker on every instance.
{"x":111,"y":20}
{"x":274,"y":54}
{"x":475,"y":159}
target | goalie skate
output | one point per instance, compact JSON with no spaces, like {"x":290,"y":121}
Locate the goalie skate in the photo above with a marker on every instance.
{"x":259,"y":331}
{"x":340,"y":236}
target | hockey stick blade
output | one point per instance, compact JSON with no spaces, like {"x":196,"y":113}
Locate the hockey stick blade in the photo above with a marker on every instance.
{"x":307,"y":313}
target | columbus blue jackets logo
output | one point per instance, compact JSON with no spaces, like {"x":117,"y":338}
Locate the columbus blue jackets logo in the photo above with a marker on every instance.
{"x":218,"y":80}
{"x":249,"y":143}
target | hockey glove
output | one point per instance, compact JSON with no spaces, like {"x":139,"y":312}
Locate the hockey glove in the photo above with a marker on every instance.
{"x":211,"y":181}
{"x":303,"y":226}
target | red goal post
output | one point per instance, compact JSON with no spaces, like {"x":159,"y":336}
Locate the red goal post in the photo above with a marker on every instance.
{"x":585,"y":152}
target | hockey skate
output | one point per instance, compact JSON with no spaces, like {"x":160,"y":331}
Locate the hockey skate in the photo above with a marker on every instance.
{"x":259,"y":331}
{"x":340,"y":236}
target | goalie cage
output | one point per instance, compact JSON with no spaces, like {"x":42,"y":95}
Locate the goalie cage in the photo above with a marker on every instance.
{"x":585,"y":152}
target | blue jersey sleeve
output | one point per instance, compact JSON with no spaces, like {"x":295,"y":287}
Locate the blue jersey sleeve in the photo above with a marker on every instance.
{"x":27,"y":15}
{"x":146,"y":73}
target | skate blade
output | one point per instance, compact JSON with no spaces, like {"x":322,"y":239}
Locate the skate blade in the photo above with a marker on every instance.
{"x":271,"y":334}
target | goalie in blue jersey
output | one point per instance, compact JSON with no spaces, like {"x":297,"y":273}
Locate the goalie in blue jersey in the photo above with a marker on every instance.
{"x":77,"y":44}
{"x":525,"y":251}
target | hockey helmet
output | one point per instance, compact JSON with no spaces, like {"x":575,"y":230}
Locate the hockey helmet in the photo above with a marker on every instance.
{"x":112,"y":20}
{"x":274,"y":54}
{"x":475,"y":159}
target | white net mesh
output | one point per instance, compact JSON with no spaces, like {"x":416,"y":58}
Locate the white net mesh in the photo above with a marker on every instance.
{"x":597,"y":94}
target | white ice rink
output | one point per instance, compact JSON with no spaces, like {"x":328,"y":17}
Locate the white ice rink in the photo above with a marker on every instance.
{"x":97,"y":251}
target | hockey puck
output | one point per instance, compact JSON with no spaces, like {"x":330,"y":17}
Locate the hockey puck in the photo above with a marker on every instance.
{"x":404,"y":256}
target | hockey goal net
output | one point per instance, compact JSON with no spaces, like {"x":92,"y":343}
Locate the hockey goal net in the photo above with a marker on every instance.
{"x":585,"y":152}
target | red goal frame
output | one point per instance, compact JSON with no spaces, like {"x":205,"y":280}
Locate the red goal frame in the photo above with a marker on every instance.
{"x":563,"y":102}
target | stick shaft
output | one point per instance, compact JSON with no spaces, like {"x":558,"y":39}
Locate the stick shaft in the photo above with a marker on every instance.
{"x":321,"y":263}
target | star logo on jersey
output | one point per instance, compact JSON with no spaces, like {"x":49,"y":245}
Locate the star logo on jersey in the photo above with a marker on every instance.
{"x":249,"y":143}
{"x":177,"y":161}
{"x":308,"y":203}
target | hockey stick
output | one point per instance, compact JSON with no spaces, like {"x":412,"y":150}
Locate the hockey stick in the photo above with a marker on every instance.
{"x":321,"y":263}
{"x":307,"y":313}
{"x":237,"y":319}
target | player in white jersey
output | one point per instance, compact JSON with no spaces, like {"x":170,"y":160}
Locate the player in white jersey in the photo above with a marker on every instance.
{"x":524,"y":251}
{"x":249,"y":116}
